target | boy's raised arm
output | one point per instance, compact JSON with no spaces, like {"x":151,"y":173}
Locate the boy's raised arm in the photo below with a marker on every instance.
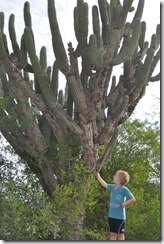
{"x":103,"y":183}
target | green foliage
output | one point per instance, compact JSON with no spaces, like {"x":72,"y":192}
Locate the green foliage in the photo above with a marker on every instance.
{"x":69,"y":199}
{"x":27,"y":214}
{"x":143,"y":219}
{"x":65,"y":156}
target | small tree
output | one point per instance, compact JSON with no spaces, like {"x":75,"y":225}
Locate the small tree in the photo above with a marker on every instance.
{"x":37,"y":119}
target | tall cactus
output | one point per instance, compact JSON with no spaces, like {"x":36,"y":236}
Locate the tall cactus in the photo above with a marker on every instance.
{"x":94,"y":103}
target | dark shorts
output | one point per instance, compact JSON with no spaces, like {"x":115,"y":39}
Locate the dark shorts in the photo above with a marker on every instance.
{"x":116,"y":225}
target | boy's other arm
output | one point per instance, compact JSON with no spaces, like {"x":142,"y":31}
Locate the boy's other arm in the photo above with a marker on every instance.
{"x":129,"y":201}
{"x":102,"y":182}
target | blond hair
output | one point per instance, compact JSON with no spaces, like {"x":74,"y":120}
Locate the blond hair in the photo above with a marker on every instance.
{"x":123,"y":177}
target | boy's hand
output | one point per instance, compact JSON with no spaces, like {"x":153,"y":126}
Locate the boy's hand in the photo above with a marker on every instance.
{"x":123,"y":205}
{"x":129,"y":201}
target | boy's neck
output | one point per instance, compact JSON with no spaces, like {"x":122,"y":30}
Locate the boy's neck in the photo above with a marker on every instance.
{"x":117,"y":185}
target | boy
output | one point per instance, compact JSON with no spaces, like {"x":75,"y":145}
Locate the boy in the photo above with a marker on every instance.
{"x":119,"y":199}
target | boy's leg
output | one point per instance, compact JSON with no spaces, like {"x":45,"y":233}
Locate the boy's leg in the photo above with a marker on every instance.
{"x":112,"y":236}
{"x":121,"y":236}
{"x":112,"y":229}
{"x":121,"y":229}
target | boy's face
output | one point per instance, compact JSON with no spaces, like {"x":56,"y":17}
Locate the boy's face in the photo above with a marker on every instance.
{"x":116,"y":179}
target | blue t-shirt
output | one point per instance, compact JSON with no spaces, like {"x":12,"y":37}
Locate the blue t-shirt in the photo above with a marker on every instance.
{"x":117,"y":197}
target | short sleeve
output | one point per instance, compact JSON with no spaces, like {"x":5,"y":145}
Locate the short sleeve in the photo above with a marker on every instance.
{"x":110,"y":187}
{"x":128,"y":193}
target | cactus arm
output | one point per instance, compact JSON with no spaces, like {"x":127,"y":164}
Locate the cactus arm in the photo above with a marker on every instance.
{"x":57,"y":42}
{"x":61,"y":97}
{"x":156,"y":58}
{"x":142,"y":36}
{"x":4,"y":56}
{"x":120,"y":20}
{"x":86,"y":67}
{"x":155,"y":78}
{"x":145,"y":69}
{"x":13,"y":36}
{"x":94,"y":55}
{"x":43,"y":58}
{"x":113,"y":119}
{"x":127,"y":67}
{"x":142,"y":74}
{"x":158,"y":36}
{"x":70,"y":103}
{"x":79,"y":17}
{"x":75,"y":84}
{"x":84,"y":75}
{"x":113,"y":6}
{"x":77,"y":93}
{"x":54,"y":81}
{"x":5,"y":43}
{"x":125,"y":44}
{"x":48,"y":72}
{"x":76,"y":27}
{"x":23,"y":56}
{"x":139,"y":11}
{"x":113,"y":86}
{"x":131,"y":46}
{"x":118,"y":113}
{"x":27,"y":18}
{"x":106,"y":21}
{"x":27,"y":15}
{"x":108,"y":150}
{"x":104,"y":13}
{"x":136,"y":59}
{"x":81,"y":22}
{"x":2,"y":17}
{"x":96,"y":24}
{"x":39,"y":74}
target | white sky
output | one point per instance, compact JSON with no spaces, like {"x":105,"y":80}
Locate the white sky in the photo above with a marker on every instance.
{"x":40,"y":25}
